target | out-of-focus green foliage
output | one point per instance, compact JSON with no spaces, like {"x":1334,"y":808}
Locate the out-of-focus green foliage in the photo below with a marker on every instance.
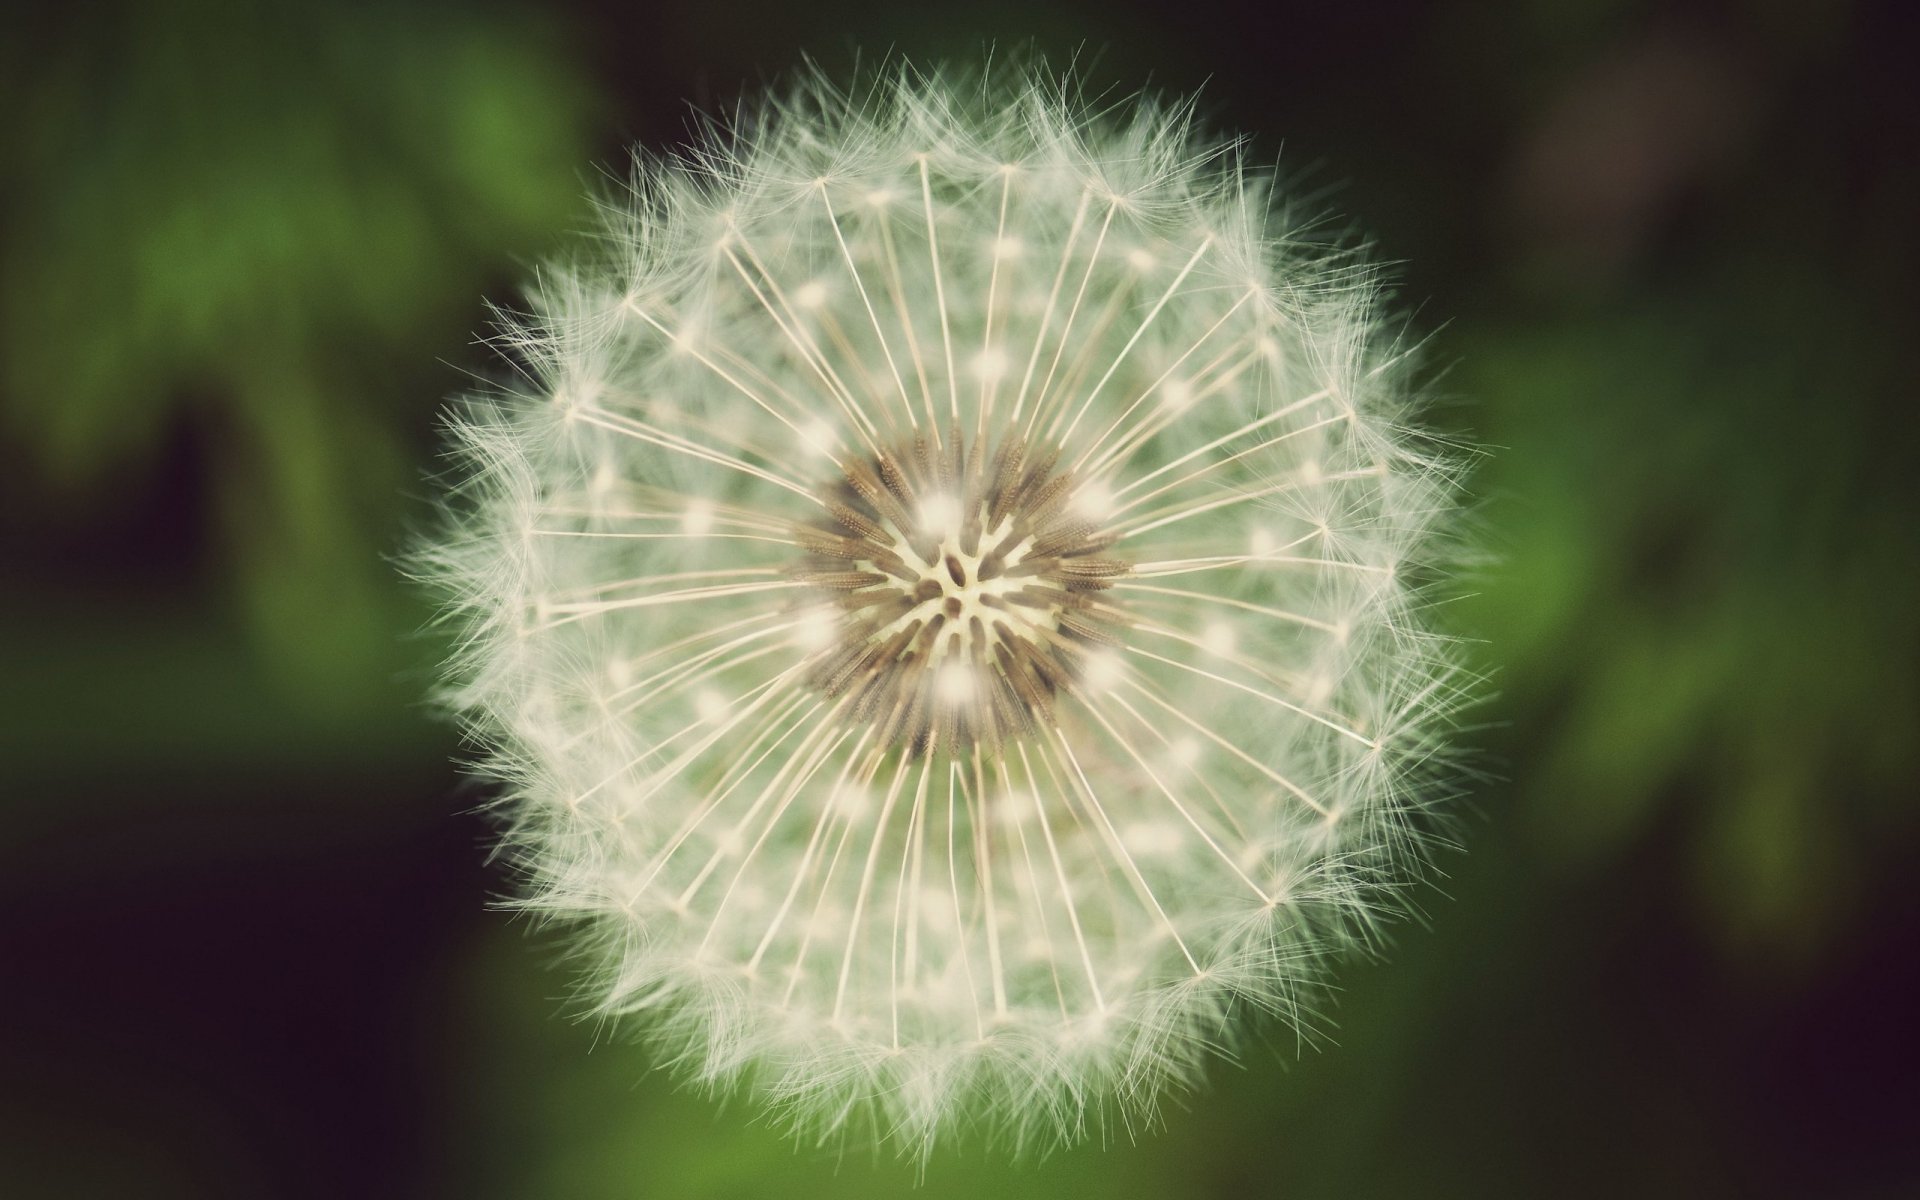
{"x":1701,"y":593}
{"x":237,"y":216}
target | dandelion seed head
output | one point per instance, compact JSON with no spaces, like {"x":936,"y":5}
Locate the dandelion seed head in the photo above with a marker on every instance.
{"x":943,"y":597}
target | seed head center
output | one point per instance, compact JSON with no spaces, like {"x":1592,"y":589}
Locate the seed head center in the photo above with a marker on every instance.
{"x":965,"y":591}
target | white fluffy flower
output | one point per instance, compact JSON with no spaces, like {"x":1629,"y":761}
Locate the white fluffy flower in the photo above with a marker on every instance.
{"x":942,"y":596}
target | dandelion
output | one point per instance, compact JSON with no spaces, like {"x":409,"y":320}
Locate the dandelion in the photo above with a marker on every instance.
{"x":943,"y":597}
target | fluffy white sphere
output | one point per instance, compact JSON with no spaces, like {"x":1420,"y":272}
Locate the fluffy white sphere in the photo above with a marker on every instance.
{"x":942,"y":596}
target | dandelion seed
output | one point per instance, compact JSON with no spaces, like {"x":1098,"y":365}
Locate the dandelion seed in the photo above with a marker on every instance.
{"x":965,"y":646}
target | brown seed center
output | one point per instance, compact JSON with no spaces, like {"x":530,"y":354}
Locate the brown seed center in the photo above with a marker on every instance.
{"x":967,"y":591}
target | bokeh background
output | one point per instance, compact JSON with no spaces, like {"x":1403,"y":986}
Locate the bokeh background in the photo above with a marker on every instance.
{"x":1667,"y":256}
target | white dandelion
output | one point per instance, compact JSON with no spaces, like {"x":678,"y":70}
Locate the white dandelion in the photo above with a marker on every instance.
{"x":943,"y":597}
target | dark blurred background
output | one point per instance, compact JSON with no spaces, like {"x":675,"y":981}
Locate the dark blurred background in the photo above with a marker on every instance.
{"x":1667,"y":254}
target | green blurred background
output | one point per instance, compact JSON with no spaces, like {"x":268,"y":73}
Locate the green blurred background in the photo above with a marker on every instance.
{"x":1668,"y":254}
